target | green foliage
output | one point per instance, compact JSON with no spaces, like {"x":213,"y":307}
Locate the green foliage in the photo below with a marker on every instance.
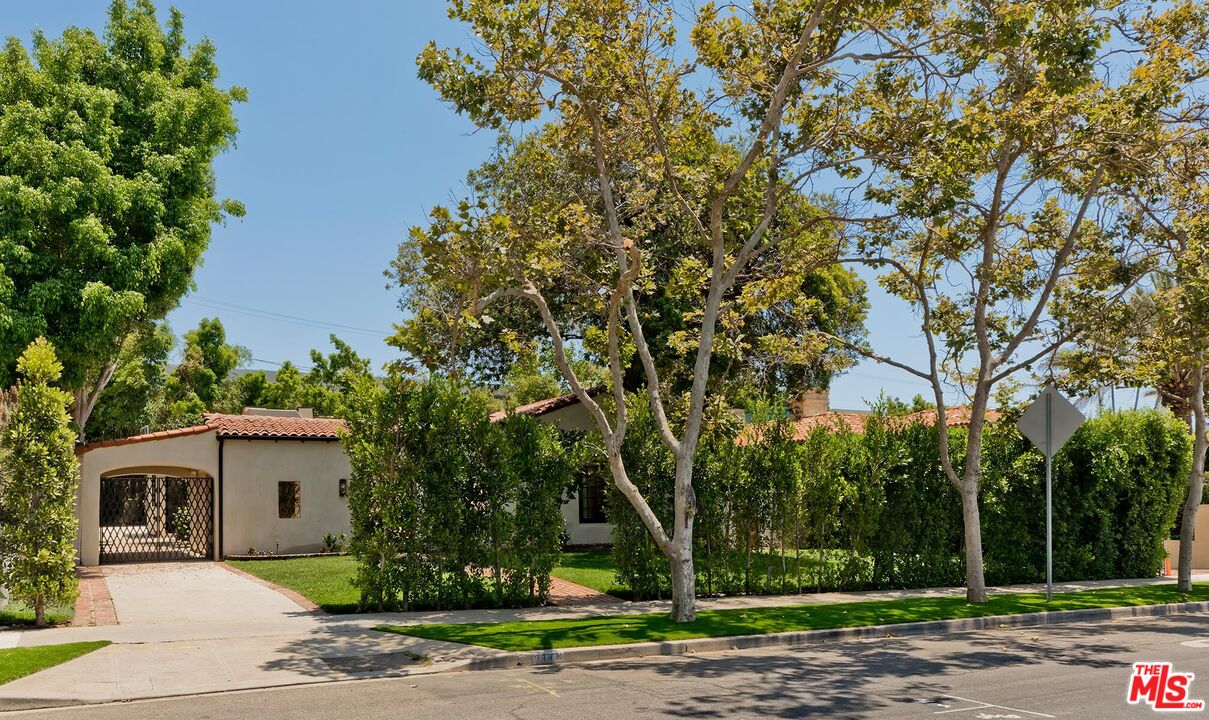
{"x":841,"y":510}
{"x":133,"y":399}
{"x":333,"y":543}
{"x":448,"y":508}
{"x":144,"y":393}
{"x":37,"y":496}
{"x":106,"y":183}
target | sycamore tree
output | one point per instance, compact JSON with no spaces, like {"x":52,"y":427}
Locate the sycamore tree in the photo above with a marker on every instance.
{"x":1161,"y":338}
{"x":721,"y":138}
{"x":107,"y":192}
{"x":1009,"y":151}
{"x":37,"y":496}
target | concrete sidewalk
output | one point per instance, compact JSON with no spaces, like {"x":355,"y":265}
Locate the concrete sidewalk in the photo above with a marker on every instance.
{"x":202,"y":629}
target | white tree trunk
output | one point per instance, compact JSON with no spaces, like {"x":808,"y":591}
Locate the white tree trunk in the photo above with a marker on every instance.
{"x":1196,"y":480}
{"x":976,"y":589}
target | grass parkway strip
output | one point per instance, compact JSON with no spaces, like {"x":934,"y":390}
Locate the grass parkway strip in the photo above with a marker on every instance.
{"x":19,"y":662}
{"x":655,"y":627}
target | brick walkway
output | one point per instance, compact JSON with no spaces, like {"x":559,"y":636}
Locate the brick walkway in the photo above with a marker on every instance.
{"x":569,"y":594}
{"x":94,"y":607}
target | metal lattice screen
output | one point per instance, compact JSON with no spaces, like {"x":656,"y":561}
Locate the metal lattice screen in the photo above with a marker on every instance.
{"x":146,"y":518}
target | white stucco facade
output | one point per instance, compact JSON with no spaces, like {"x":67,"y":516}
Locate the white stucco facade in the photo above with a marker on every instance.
{"x":575,"y":416}
{"x":252,"y":470}
{"x":240,"y":476}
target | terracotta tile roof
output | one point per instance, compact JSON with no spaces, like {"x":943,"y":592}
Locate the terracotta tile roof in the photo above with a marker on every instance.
{"x":160,"y":435}
{"x":277,"y":428}
{"x":855,"y":421}
{"x":239,"y":426}
{"x":541,"y":407}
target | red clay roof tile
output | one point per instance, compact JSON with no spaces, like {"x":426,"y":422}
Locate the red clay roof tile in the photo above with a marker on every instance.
{"x":267,"y":426}
{"x":541,"y":407}
{"x":855,"y":422}
{"x":239,"y":426}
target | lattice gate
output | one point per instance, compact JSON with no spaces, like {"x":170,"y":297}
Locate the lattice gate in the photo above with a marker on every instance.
{"x":149,"y":518}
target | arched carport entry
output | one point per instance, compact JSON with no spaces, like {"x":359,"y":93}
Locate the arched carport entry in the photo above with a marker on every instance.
{"x":150,"y":514}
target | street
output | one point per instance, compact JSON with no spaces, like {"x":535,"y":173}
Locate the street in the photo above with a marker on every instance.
{"x":1077,"y":671}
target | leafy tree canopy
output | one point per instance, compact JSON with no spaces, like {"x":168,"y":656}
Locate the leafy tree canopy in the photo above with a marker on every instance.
{"x":107,"y":191}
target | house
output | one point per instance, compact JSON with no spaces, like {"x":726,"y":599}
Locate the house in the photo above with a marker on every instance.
{"x":584,"y":512}
{"x":266,"y":480}
{"x":814,"y":413}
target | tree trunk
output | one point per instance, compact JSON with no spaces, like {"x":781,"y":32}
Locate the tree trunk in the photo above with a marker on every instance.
{"x":39,"y":613}
{"x":976,"y":590}
{"x":1196,"y":480}
{"x":684,"y":590}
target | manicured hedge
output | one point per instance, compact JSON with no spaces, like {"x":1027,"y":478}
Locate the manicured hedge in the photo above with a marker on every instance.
{"x":450,"y":509}
{"x":842,"y":510}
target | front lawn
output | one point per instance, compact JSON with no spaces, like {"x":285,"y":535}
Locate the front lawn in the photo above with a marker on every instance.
{"x":325,"y":581}
{"x":328,"y":581}
{"x":622,"y":629}
{"x":16,"y":613}
{"x":592,"y":569}
{"x":19,"y":662}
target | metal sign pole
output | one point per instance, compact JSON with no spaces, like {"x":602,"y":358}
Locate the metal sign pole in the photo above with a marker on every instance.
{"x":1049,"y":422}
{"x":1049,"y":499}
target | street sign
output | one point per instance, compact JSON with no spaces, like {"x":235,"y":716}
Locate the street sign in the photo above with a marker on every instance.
{"x":1049,"y":422}
{"x":1064,"y":419}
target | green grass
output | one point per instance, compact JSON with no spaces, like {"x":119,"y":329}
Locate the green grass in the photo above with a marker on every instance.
{"x":16,"y":613}
{"x":325,"y":581}
{"x":622,"y":629}
{"x":592,"y":569}
{"x":19,"y":662}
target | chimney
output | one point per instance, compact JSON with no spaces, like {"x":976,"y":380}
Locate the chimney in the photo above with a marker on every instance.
{"x":811,"y":402}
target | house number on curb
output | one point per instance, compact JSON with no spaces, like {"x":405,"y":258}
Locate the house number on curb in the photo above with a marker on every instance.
{"x":1049,"y":422}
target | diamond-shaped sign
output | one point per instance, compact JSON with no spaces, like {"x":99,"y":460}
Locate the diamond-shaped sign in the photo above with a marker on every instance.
{"x":1052,"y":409}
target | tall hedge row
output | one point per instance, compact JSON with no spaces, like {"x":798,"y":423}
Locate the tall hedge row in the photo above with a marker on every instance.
{"x":450,"y":509}
{"x":842,"y":510}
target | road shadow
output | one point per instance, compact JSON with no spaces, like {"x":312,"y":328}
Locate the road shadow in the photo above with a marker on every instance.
{"x":833,"y":679}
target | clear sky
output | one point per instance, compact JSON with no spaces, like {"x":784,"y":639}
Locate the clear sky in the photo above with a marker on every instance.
{"x":341,"y":149}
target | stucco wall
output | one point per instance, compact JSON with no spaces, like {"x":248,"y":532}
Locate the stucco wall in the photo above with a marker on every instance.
{"x":166,"y":456}
{"x":576,"y":417}
{"x":251,"y":471}
{"x":1200,"y":543}
{"x":584,"y":533}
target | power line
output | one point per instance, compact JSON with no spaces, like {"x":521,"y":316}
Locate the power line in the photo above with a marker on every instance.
{"x":282,"y":317}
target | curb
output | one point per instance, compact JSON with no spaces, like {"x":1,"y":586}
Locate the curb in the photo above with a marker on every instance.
{"x":531,"y":658}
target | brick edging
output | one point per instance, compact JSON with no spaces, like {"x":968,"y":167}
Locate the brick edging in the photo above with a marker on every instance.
{"x":298,"y":598}
{"x":94,"y":605}
{"x":806,"y":637}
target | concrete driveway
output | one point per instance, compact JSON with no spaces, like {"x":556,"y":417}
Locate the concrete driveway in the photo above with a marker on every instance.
{"x":198,"y":627}
{"x":198,"y":593}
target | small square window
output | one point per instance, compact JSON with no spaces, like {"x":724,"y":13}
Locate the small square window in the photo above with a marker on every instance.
{"x":343,"y":487}
{"x":289,"y":499}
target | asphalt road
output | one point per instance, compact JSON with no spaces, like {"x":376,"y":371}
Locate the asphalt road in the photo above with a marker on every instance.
{"x":1078,"y":671}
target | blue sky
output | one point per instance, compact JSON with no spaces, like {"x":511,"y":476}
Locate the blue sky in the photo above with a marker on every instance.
{"x":341,"y":149}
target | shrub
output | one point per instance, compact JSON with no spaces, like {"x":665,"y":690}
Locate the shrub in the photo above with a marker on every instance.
{"x":450,"y":509}
{"x":840,"y":510}
{"x":40,"y":475}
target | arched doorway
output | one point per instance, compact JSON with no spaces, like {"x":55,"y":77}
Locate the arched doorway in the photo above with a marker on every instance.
{"x":156,"y":516}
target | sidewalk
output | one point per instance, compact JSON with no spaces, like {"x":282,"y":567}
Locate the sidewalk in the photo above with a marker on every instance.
{"x":288,"y":645}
